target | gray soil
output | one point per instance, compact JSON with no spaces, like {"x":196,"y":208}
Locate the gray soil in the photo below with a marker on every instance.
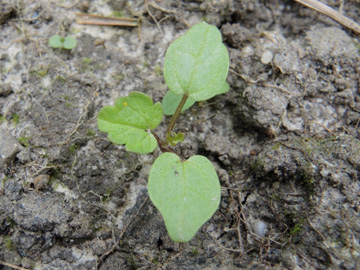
{"x":284,"y":140}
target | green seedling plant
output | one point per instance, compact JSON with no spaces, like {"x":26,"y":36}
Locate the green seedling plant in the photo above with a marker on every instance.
{"x":186,"y":192}
{"x":57,"y":41}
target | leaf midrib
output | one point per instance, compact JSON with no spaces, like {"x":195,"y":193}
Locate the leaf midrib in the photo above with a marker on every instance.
{"x":186,"y":88}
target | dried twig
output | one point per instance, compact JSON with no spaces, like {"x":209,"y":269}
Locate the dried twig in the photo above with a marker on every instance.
{"x":238,"y":224}
{"x":65,"y":6}
{"x":156,"y":6}
{"x":323,"y":126}
{"x":92,"y":19}
{"x":223,"y":247}
{"x":249,"y":80}
{"x":307,"y":219}
{"x":12,"y":265}
{"x":153,"y":17}
{"x":115,"y":245}
{"x":78,"y":124}
{"x":333,"y":14}
{"x":282,"y":89}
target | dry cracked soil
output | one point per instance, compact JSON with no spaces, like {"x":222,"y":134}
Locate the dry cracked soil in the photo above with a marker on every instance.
{"x":284,"y":140}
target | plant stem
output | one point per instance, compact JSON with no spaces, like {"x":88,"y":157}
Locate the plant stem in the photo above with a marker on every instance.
{"x":161,"y":145}
{"x":176,"y":115}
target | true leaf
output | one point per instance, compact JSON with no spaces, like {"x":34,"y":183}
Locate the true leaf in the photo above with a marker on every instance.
{"x":187,"y":193}
{"x":171,"y":101}
{"x":129,"y":122}
{"x":175,"y":138}
{"x":197,"y":63}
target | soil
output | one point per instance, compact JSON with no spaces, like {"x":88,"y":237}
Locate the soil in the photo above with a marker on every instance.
{"x":284,"y":140}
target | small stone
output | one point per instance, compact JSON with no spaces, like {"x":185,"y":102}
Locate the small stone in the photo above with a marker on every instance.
{"x":266,"y":57}
{"x":260,"y":228}
{"x":312,"y":73}
{"x":12,"y":189}
{"x":325,"y":172}
{"x":276,"y":185}
{"x":247,"y":51}
{"x":24,"y":155}
{"x":9,"y":147}
{"x":5,"y":90}
{"x":41,"y":181}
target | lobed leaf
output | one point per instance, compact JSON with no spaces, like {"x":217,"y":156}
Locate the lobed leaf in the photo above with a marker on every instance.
{"x":187,"y":193}
{"x":129,"y":122}
{"x":197,"y":63}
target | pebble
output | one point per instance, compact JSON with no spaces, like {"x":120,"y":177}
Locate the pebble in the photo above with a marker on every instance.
{"x":260,"y":228}
{"x":266,"y":57}
{"x":247,"y":51}
{"x":41,"y":181}
{"x":9,"y":147}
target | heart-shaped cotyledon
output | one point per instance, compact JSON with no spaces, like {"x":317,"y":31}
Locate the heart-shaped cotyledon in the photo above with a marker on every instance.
{"x":187,"y":193}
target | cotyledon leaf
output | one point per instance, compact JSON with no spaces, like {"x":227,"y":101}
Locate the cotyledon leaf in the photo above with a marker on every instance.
{"x":197,"y":63}
{"x":55,"y":41}
{"x":129,"y":122}
{"x":69,"y":43}
{"x":187,"y":193}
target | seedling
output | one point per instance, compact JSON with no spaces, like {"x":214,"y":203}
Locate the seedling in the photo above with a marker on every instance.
{"x":57,"y":41}
{"x":186,"y":192}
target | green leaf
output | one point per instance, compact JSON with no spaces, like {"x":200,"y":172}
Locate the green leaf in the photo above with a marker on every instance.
{"x":55,"y":41}
{"x":187,"y":193}
{"x":129,"y":122}
{"x":224,"y":89}
{"x":171,"y":102}
{"x":175,"y":138}
{"x":69,"y":43}
{"x":197,"y":63}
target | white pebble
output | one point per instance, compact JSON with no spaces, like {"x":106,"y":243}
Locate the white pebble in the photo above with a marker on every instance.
{"x":266,"y":57}
{"x":247,"y":51}
{"x":260,"y":228}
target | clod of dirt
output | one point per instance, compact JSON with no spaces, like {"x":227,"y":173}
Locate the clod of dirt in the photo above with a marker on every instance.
{"x":331,"y":43}
{"x":7,"y":10}
{"x":236,"y":35}
{"x":5,"y":90}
